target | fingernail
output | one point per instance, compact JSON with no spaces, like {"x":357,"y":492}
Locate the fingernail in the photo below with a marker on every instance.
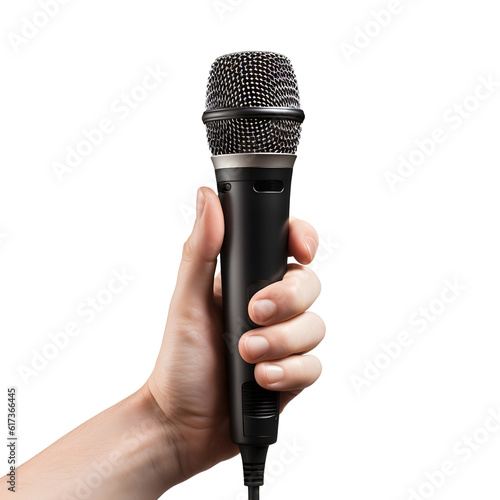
{"x":311,"y":246}
{"x":274,"y":373}
{"x":256,"y":346}
{"x":200,"y":203}
{"x":264,"y":309}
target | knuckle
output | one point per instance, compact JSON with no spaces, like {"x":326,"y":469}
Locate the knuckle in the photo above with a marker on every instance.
{"x":290,"y":294}
{"x":292,"y":286}
{"x":283,"y":294}
{"x":301,"y":276}
{"x":187,"y":250}
{"x":307,"y":273}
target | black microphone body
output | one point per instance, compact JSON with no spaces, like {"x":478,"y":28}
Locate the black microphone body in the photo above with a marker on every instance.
{"x":255,"y":201}
{"x":253,"y":140}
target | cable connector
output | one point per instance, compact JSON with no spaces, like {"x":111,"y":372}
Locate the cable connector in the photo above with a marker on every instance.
{"x":254,"y":462}
{"x":253,"y":474}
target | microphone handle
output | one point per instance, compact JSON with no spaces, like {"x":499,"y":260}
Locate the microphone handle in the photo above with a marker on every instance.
{"x":255,"y":202}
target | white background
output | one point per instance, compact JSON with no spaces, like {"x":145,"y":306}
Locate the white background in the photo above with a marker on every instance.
{"x":384,"y":253}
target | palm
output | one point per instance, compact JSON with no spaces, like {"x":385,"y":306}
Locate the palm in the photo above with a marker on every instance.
{"x":190,"y":377}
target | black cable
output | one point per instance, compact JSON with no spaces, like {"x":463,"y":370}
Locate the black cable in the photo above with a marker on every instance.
{"x":254,"y":460}
{"x":253,"y":493}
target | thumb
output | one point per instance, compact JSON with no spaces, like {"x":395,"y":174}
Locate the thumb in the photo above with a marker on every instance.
{"x":199,"y":253}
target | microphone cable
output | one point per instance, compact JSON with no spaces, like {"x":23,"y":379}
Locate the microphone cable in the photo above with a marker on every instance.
{"x":253,"y":493}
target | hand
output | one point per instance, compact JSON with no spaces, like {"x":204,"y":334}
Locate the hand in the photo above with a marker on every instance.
{"x":188,"y":382}
{"x":177,"y":423}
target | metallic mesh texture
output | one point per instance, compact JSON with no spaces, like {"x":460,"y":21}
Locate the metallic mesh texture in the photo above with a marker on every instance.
{"x":252,"y":79}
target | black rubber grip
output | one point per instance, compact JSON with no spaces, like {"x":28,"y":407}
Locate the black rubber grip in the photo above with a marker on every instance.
{"x":255,"y":202}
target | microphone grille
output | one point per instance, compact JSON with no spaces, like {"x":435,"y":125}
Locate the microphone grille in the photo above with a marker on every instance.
{"x":252,"y":80}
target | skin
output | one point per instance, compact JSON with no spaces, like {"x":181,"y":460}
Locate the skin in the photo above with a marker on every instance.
{"x":176,"y":425}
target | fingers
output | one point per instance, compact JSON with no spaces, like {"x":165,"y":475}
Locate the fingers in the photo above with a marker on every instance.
{"x":298,"y":335}
{"x":302,"y":244}
{"x":289,"y":374}
{"x":285,"y":299}
{"x":275,"y":349}
{"x":199,"y":254}
{"x":302,"y":241}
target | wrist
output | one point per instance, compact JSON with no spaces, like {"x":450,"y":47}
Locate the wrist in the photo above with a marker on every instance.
{"x":127,"y":451}
{"x":153,"y":444}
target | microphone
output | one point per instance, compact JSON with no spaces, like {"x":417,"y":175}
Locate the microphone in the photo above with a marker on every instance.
{"x":253,"y":121}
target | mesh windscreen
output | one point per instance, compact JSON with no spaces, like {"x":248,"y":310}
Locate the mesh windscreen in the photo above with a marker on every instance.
{"x":252,"y":79}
